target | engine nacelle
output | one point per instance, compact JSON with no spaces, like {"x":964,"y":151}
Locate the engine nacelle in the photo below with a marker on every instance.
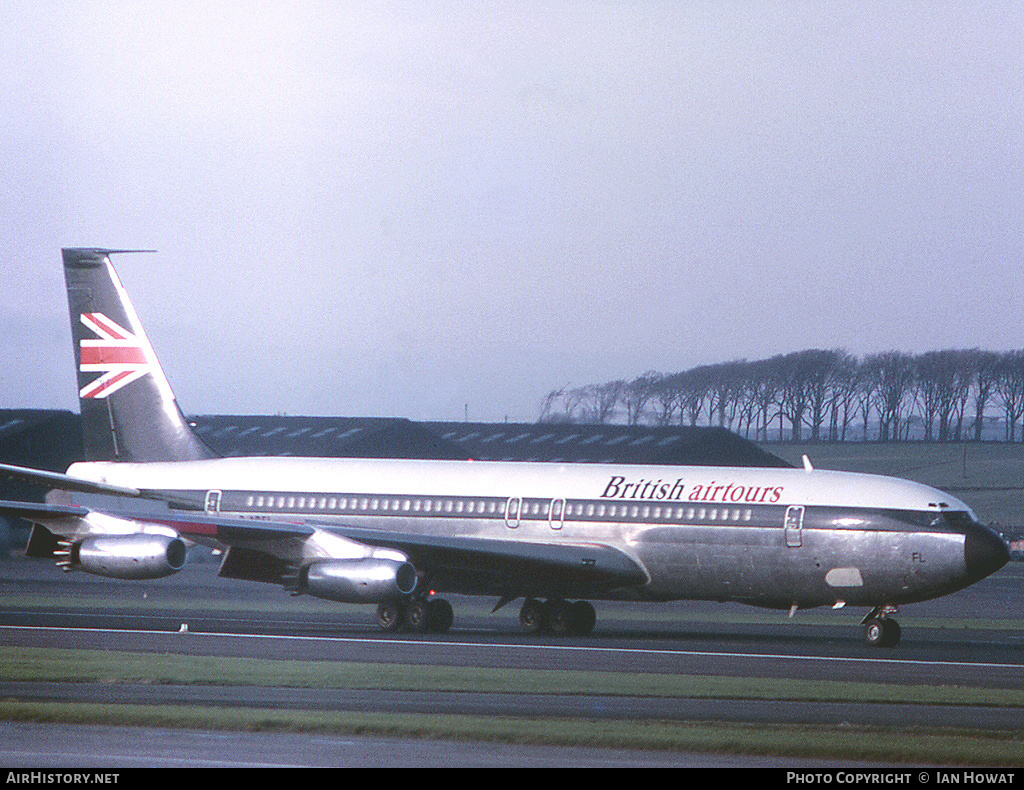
{"x":137,"y":556}
{"x":366,"y":580}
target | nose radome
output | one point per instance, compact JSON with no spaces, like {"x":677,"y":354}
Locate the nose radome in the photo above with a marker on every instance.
{"x":984,"y":552}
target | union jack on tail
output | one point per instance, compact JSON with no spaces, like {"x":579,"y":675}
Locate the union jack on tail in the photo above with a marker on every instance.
{"x":117,"y":354}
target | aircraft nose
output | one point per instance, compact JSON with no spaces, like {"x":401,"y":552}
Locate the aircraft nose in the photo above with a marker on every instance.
{"x":984,"y":552}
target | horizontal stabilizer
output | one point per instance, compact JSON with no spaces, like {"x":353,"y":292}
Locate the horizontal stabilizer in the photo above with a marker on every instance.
{"x":31,"y":511}
{"x":64,"y":482}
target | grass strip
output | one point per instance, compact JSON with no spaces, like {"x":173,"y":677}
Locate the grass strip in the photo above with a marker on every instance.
{"x":102,"y":666}
{"x":914,"y":746}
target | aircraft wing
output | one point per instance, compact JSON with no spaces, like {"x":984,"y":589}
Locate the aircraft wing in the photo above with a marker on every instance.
{"x":468,"y":565}
{"x":453,"y":563}
{"x":263,"y":550}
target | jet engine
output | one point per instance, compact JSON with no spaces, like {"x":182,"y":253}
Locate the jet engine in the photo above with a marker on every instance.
{"x":135,"y":556}
{"x":360,"y":580}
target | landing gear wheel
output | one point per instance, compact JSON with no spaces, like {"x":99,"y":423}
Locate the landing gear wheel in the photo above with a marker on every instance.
{"x":434,"y":616}
{"x":439,"y":616}
{"x":557,"y":617}
{"x":584,"y":618}
{"x":533,"y":616}
{"x":391,"y":615}
{"x":882,"y":632}
{"x":416,"y":616}
{"x":571,"y":619}
{"x":560,"y":617}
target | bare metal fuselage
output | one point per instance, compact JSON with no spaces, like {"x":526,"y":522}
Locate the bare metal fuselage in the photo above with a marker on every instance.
{"x":767,"y":537}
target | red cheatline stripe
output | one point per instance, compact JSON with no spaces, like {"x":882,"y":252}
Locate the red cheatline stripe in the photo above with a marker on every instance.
{"x":190,"y":527}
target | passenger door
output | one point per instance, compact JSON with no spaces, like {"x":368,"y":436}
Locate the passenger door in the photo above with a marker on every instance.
{"x":794,"y":526}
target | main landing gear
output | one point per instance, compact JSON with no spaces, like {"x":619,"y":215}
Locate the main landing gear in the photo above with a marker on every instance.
{"x":880,"y":630}
{"x":420,"y":615}
{"x":434,"y":616}
{"x":558,"y":617}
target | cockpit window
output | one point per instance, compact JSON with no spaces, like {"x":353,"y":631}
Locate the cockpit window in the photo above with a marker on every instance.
{"x":953,"y":519}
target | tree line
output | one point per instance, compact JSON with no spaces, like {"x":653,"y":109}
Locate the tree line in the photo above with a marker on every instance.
{"x":820,"y":395}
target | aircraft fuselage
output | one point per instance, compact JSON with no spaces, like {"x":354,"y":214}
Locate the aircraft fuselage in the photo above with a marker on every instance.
{"x":769,"y":537}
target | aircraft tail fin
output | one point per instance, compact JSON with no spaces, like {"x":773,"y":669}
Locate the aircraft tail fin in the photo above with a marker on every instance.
{"x":129,"y":412}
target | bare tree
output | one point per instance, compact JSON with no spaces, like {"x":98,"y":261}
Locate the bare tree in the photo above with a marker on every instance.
{"x":813,"y":389}
{"x":893,"y":372}
{"x":765,"y":377}
{"x":1010,"y":391}
{"x":985,"y":372}
{"x":667,"y":397}
{"x":822,"y":369}
{"x":637,"y":393}
{"x":796,"y":374}
{"x":931,"y":370}
{"x":695,"y":385}
{"x":600,"y":401}
{"x":551,"y":407}
{"x":726,"y":382}
{"x":568,"y":404}
{"x":845,"y":380}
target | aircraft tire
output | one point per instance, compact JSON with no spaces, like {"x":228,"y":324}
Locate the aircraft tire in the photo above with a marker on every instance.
{"x":439,"y":616}
{"x":533,"y":616}
{"x":560,"y":617}
{"x":583,"y":618}
{"x":882,"y":632}
{"x":416,"y":617}
{"x":391,"y":615}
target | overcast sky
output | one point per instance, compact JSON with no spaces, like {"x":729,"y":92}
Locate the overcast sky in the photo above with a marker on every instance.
{"x":429,"y":209}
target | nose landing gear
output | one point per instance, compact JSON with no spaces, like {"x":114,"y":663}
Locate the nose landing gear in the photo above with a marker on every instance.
{"x":880,"y":630}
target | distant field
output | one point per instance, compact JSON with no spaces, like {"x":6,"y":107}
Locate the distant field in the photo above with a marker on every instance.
{"x":988,"y":476}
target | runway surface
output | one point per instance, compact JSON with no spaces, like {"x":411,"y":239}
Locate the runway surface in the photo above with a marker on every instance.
{"x":968,"y":639}
{"x":35,"y":746}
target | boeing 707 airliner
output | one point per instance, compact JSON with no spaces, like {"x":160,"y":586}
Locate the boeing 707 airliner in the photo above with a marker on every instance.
{"x":398,"y":533}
